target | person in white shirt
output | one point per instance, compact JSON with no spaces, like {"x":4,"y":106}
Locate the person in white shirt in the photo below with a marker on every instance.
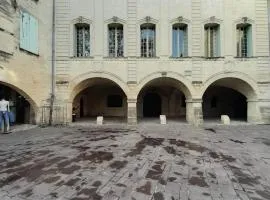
{"x":4,"y":116}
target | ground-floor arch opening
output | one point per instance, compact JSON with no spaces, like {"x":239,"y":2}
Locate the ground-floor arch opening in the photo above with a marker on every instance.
{"x":20,"y":106}
{"x":162,"y":96}
{"x":219,"y":101}
{"x":229,"y":96}
{"x":99,"y":97}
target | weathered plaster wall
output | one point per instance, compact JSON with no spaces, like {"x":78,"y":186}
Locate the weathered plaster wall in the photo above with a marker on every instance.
{"x":27,"y":73}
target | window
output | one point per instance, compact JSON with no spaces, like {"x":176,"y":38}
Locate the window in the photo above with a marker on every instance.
{"x":28,"y":33}
{"x":179,"y":41}
{"x":244,"y":40}
{"x":116,"y":40}
{"x":114,"y":101}
{"x":212,"y":40}
{"x":82,"y":40}
{"x":148,"y":40}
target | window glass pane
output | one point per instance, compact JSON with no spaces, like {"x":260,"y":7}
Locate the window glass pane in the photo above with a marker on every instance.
{"x":79,"y":42}
{"x":212,"y":47}
{"x":249,"y":41}
{"x":86,"y":41}
{"x":116,"y":40}
{"x":179,"y":40}
{"x":120,"y":42}
{"x":148,"y":40}
{"x":111,"y":42}
{"x":174,"y":43}
{"x":244,"y":41}
{"x":114,"y":101}
{"x":83,"y":40}
{"x":144,"y":37}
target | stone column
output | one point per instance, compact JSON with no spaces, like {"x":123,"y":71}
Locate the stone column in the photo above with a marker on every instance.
{"x":132,"y":111}
{"x":253,"y":114}
{"x":194,"y":114}
{"x":68,"y":118}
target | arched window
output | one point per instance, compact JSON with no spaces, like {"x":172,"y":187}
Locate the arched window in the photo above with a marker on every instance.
{"x":82,"y":40}
{"x":148,"y":40}
{"x":116,"y":40}
{"x":244,"y":40}
{"x":179,"y":40}
{"x":212,"y":40}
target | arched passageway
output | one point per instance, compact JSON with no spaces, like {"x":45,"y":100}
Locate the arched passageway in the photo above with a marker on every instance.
{"x":99,"y":97}
{"x":229,"y":96}
{"x":152,"y":105}
{"x":219,"y":101}
{"x":163,"y":96}
{"x":21,"y":106}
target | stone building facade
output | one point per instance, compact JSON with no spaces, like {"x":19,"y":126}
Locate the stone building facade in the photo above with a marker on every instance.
{"x":193,"y":85}
{"x":133,"y":59}
{"x":25,"y":71}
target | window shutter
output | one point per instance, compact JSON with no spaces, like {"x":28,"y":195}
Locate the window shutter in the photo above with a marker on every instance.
{"x":22,"y":39}
{"x":24,"y":31}
{"x":249,"y":41}
{"x":29,"y":33}
{"x":33,"y":32}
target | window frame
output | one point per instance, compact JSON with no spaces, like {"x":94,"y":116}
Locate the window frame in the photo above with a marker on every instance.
{"x":83,"y":25}
{"x":72,"y":36}
{"x":147,"y":26}
{"x":217,"y":43}
{"x":185,"y":44}
{"x":249,"y":40}
{"x":115,"y":26}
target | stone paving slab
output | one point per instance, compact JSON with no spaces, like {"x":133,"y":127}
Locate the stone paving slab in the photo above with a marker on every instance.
{"x":147,"y":162}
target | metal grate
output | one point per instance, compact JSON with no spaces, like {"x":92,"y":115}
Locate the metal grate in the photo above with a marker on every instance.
{"x":116,"y":41}
{"x":242,"y":42}
{"x":83,"y":40}
{"x":148,"y":41}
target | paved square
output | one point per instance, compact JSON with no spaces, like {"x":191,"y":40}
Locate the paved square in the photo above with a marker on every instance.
{"x":147,"y":162}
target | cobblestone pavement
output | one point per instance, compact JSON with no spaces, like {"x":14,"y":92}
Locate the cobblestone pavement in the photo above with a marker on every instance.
{"x":145,"y":162}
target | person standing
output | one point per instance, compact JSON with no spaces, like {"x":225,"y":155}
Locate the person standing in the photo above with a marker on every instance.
{"x":4,"y":116}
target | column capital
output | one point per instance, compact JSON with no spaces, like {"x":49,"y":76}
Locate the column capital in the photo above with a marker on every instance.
{"x":131,"y":100}
{"x":194,"y":101}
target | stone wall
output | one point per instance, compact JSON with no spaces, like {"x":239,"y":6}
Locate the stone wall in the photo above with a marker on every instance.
{"x":27,"y":73}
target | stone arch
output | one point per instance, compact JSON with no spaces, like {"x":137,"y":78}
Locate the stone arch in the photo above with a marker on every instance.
{"x":242,"y":84}
{"x":182,"y":83}
{"x":21,"y":92}
{"x":27,"y":97}
{"x":81,"y":82}
{"x":242,"y":79}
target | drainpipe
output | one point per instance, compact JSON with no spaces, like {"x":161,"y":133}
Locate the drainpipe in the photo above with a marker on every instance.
{"x":53,"y":67}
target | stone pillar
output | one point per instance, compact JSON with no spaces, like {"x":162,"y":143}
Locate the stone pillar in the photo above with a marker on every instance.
{"x":194,"y":114}
{"x":68,"y":118}
{"x":253,"y":114}
{"x":132,"y":111}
